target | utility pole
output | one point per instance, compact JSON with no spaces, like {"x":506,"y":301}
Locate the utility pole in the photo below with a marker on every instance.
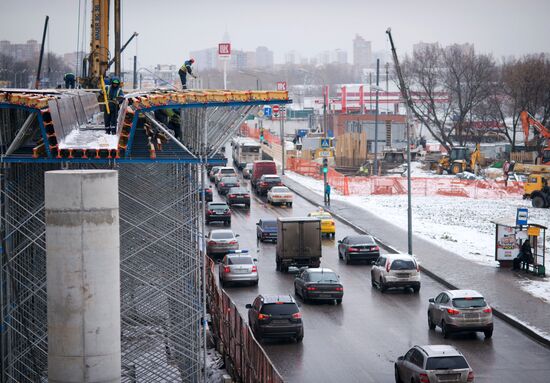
{"x":37,"y":84}
{"x":376,"y":120}
{"x":282,"y":133}
{"x":134,"y":83}
{"x":387,"y":87}
{"x":117,"y":38}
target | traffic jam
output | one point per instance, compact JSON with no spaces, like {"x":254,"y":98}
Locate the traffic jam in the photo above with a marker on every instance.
{"x":276,"y":318}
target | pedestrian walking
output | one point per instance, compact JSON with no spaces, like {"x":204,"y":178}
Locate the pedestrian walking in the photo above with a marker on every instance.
{"x":327,"y":194}
{"x":184,"y":70}
{"x":70,"y":80}
{"x":114,"y":97}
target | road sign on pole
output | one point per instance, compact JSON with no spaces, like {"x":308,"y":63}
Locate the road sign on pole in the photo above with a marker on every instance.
{"x":281,"y":85}
{"x":275,"y":109}
{"x":522,"y":216}
{"x":325,"y":143}
{"x":224,"y":53}
{"x":267,"y":111}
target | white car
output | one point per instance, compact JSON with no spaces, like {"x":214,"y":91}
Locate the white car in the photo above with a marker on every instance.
{"x":281,"y":195}
{"x":395,"y":270}
{"x":226,"y":171}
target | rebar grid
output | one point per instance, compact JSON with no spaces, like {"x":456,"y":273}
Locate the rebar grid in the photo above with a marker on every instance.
{"x":160,"y":231}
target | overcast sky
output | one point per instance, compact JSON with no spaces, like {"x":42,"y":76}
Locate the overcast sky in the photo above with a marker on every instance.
{"x":169,"y":29}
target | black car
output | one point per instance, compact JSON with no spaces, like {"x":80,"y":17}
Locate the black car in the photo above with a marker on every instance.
{"x":266,"y":182}
{"x":275,"y":316}
{"x":218,"y":211}
{"x":212,"y":173}
{"x":319,"y":284}
{"x":227,"y":183}
{"x":238,"y":196}
{"x":358,"y":248}
{"x":266,"y":230}
{"x":207,"y":194}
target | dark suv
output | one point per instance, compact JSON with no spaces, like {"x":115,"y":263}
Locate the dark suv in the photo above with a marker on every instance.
{"x":266,"y":182}
{"x":275,"y":316}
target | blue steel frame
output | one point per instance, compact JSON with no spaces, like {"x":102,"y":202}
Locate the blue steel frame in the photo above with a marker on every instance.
{"x":50,"y":159}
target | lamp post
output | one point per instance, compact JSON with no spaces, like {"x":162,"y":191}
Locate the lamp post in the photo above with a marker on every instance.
{"x":377,"y":89}
{"x":325,"y":97}
{"x":258,"y":81}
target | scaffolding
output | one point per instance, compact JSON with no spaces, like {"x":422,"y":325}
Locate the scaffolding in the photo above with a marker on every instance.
{"x":161,"y":227}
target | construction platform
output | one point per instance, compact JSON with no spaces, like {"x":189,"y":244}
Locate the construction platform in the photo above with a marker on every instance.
{"x":67,"y":125}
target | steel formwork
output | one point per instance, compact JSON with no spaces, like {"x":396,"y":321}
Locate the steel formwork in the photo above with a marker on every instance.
{"x":161,"y":229}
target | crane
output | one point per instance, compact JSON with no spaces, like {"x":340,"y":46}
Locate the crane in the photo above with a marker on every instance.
{"x":526,"y":122}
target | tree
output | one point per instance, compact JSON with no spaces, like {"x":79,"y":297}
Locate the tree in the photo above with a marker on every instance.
{"x":446,"y":86}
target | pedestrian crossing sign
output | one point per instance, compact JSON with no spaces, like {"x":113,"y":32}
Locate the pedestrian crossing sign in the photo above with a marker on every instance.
{"x":325,"y":143}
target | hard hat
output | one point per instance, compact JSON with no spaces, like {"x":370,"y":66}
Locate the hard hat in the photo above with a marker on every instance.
{"x":192,"y":60}
{"x":115,"y":81}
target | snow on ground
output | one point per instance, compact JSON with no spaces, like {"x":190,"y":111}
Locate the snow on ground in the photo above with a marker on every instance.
{"x":461,"y":225}
{"x":89,"y":139}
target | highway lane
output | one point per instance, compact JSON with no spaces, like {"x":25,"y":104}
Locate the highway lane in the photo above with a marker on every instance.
{"x":359,"y":340}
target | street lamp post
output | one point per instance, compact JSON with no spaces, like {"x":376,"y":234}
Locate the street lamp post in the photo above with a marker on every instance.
{"x":377,"y":89}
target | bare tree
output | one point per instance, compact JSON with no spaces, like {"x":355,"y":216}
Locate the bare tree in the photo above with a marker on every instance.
{"x":446,"y":86}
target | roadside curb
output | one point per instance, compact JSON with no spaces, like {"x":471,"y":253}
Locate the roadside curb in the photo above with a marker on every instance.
{"x":527,"y":330}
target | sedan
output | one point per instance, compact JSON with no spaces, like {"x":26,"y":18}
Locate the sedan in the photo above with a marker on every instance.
{"x":221,"y":242}
{"x":237,"y":267}
{"x":328,"y":226}
{"x":238,"y":196}
{"x":433,"y":363}
{"x":358,"y":248}
{"x":460,"y":311}
{"x":208,"y":197}
{"x":318,"y":284}
{"x":281,"y":195}
{"x":218,"y":211}
{"x":227,"y":183}
{"x":266,"y":230}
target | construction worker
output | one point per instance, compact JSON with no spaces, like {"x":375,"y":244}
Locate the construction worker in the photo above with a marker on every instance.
{"x":115,"y":95}
{"x":364,"y":170}
{"x":184,"y":70}
{"x":70,"y":80}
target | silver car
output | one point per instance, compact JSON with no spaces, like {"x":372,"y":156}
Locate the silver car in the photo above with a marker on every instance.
{"x":460,"y":310}
{"x":437,"y":363}
{"x":247,"y":171}
{"x":238,"y":266}
{"x":395,"y":270}
{"x":221,"y":242}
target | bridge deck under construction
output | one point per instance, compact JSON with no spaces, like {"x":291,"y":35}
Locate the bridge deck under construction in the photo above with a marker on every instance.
{"x":67,"y":125}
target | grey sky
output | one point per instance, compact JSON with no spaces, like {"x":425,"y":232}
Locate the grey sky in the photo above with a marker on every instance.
{"x":169,"y":29}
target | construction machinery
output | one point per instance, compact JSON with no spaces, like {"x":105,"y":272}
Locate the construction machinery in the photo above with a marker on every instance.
{"x":460,"y":160}
{"x":536,"y":188}
{"x":528,"y":121}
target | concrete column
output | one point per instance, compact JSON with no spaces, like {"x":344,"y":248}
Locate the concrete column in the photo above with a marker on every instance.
{"x":83,"y":276}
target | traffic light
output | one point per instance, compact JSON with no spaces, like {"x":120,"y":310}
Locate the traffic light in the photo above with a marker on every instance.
{"x":325,"y":165}
{"x":261,"y":134}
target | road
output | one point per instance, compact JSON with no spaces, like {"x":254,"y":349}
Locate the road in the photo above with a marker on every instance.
{"x":359,"y":340}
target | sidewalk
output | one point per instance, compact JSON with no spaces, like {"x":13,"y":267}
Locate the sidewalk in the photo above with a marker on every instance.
{"x":515,"y":306}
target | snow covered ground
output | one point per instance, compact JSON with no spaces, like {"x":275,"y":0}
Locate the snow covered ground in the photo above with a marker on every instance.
{"x":463,"y":224}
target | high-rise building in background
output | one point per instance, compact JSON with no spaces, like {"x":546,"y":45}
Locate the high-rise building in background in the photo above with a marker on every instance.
{"x":292,"y":57}
{"x":264,"y":58}
{"x":362,"y":52}
{"x":339,"y":56}
{"x":74,"y":59}
{"x":20,"y":52}
{"x":204,"y":59}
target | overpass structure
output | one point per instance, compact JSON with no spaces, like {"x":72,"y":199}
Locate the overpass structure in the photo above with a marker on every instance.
{"x":161,"y":170}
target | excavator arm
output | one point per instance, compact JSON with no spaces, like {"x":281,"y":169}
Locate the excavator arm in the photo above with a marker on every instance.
{"x":527,"y":121}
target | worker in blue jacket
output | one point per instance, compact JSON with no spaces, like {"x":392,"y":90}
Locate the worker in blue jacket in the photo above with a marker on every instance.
{"x":115,"y":95}
{"x":70,"y":80}
{"x":184,"y":70}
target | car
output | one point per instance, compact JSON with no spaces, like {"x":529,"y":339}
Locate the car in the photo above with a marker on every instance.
{"x":221,"y":241}
{"x":237,"y":267}
{"x":259,"y":168}
{"x":275,"y":316}
{"x":212,"y":173}
{"x":328,"y":226}
{"x":360,"y":247}
{"x":460,"y":311}
{"x":433,"y":363}
{"x":238,"y":196}
{"x":218,"y":211}
{"x":247,"y":171}
{"x":281,"y":195}
{"x":266,"y":230}
{"x":225,"y":171}
{"x":395,"y":270}
{"x":226,"y":183}
{"x":266,"y":182}
{"x":318,"y":284}
{"x":208,"y":197}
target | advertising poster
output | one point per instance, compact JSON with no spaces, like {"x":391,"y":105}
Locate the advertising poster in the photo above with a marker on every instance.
{"x":507,"y":246}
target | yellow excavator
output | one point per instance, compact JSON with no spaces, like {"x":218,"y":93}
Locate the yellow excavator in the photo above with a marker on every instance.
{"x":460,"y":160}
{"x":537,"y":187}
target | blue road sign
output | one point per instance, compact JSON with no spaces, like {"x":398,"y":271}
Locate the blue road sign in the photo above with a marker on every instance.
{"x":325,"y":143}
{"x":267,"y":111}
{"x":522,"y":216}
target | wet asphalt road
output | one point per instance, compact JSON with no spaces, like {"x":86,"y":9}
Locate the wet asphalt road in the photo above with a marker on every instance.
{"x":359,"y":340}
